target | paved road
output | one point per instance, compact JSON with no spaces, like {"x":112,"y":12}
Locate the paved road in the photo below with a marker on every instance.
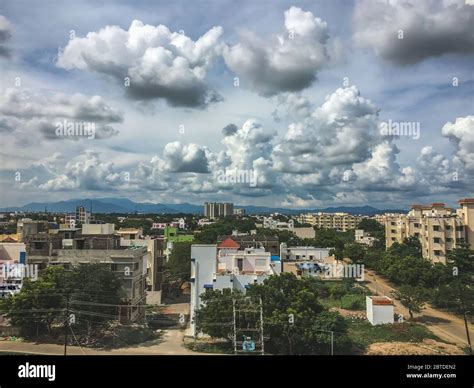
{"x":446,"y":326}
{"x":170,"y":344}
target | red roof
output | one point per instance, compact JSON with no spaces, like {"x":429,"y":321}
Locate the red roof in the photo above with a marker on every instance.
{"x":229,"y":243}
{"x":9,"y":239}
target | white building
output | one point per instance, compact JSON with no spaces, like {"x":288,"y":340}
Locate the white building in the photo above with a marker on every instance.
{"x":270,"y":223}
{"x":226,"y":266}
{"x":362,"y":237}
{"x":303,"y":253}
{"x":380,"y":310}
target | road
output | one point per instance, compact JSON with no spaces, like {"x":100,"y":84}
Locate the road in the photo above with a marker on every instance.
{"x":446,"y":326}
{"x":170,"y":344}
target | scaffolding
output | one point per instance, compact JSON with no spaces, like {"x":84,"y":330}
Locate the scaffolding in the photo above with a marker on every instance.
{"x":248,"y":327}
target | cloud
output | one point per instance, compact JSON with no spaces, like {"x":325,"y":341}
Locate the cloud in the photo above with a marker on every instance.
{"x":229,"y":129}
{"x":341,"y":131}
{"x":461,"y":132}
{"x":88,"y":172}
{"x":285,"y":63}
{"x":5,"y":35}
{"x":185,"y":158}
{"x":159,"y":63}
{"x":430,"y":28}
{"x":249,"y":143}
{"x":56,"y":115}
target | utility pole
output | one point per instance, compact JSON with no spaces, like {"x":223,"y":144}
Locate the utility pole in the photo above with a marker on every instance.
{"x":235,"y":330}
{"x":467,"y":332}
{"x":261,"y":327}
{"x":332,"y":343}
{"x":66,"y":325}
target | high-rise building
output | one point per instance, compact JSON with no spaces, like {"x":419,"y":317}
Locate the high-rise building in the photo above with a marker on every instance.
{"x":439,"y":228}
{"x":214,"y":210}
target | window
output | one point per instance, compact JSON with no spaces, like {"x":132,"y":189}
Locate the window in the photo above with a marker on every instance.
{"x":393,"y":231}
{"x":459,"y":228}
{"x":437,"y":240}
{"x":394,"y":239}
{"x":392,"y":223}
{"x":448,"y":227}
{"x":416,"y":225}
{"x":436,"y":228}
{"x":437,"y":252}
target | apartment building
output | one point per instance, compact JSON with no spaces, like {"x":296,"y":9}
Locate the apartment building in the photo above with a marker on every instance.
{"x":95,"y":244}
{"x":79,"y":217}
{"x":338,"y":221}
{"x":213,"y":210}
{"x":364,"y":238}
{"x":227,"y":265}
{"x":439,"y":229}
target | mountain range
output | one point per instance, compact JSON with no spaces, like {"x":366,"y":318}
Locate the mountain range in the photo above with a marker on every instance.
{"x":125,"y":205}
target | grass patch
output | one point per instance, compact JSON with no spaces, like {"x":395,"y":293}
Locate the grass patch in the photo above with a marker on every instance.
{"x":210,"y":347}
{"x":362,"y":333}
{"x":349,"y":302}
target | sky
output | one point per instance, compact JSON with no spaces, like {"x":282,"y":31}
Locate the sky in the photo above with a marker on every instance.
{"x":298,"y":104}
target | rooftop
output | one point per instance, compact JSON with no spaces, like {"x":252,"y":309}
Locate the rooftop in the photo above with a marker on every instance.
{"x":229,"y":243}
{"x":381,"y":301}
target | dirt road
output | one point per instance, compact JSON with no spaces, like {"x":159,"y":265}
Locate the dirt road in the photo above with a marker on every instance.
{"x":170,"y":344}
{"x":446,"y":326}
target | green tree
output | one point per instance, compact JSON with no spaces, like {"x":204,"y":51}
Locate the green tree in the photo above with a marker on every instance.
{"x":413,"y":298}
{"x":91,"y":289}
{"x":355,"y":252}
{"x":338,"y":291}
{"x":96,"y":293}
{"x":295,"y":321}
{"x":179,"y":263}
{"x":41,"y":302}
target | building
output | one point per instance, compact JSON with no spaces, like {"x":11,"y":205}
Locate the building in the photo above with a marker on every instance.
{"x":213,"y":210}
{"x":361,"y":237}
{"x":380,"y":310}
{"x":303,"y":260}
{"x":130,"y":237}
{"x":12,"y":257}
{"x":303,"y":253}
{"x":270,"y":223}
{"x":239,"y":212}
{"x":304,"y":232}
{"x":26,"y":227}
{"x":79,"y":217}
{"x":439,"y":229}
{"x":339,"y":221}
{"x":11,"y":252}
{"x":268,"y":243}
{"x":95,"y":244}
{"x":227,"y":265}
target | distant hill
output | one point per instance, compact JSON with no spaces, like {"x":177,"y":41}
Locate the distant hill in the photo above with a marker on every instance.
{"x":125,"y":205}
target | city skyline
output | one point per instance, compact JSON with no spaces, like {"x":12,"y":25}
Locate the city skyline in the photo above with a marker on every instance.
{"x":294,"y":105}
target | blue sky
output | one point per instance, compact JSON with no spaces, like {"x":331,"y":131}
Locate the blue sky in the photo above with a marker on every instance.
{"x":316,"y":79}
